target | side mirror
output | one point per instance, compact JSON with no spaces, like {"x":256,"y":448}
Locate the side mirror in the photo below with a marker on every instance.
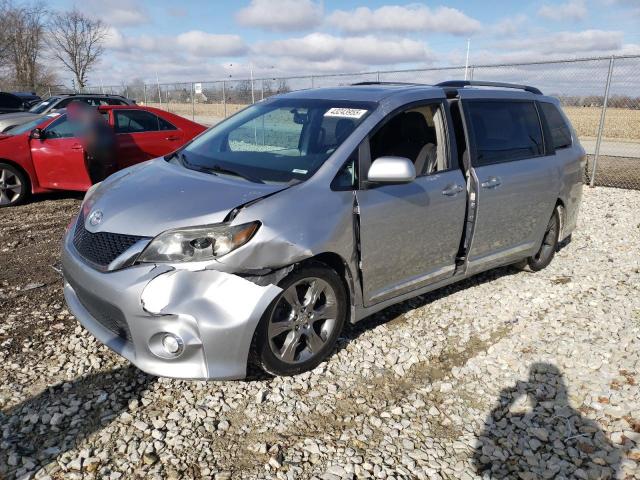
{"x":37,"y":134}
{"x":391,"y":170}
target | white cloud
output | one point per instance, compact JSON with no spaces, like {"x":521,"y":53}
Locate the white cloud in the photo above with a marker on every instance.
{"x":205,"y":44}
{"x":572,"y":10}
{"x":281,"y":15}
{"x":194,"y":42}
{"x":322,"y":47}
{"x":509,"y":26}
{"x":568,"y":42}
{"x":120,"y":13}
{"x":413,"y":18}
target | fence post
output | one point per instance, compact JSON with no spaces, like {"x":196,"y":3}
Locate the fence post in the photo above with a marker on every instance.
{"x":471,"y":72}
{"x":224,"y":97}
{"x":49,"y":91}
{"x":144,"y":92}
{"x":312,"y":82}
{"x":262,"y":89}
{"x":602,"y":119}
{"x":193,"y":102}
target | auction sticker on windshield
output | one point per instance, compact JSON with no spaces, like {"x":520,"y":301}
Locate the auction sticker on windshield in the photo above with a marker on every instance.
{"x":345,"y":112}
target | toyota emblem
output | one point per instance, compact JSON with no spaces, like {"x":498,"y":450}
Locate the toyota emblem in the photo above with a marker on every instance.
{"x":95,"y":218}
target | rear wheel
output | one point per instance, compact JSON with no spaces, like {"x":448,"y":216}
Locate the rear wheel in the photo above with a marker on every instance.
{"x":549,"y":246}
{"x":14,"y":185}
{"x":301,"y":326}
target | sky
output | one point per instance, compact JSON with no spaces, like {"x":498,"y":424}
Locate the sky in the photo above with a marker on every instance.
{"x":211,"y":40}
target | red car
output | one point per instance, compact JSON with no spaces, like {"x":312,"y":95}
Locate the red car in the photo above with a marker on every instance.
{"x":47,"y":154}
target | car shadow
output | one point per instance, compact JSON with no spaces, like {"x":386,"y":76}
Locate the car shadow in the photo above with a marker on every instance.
{"x":61,"y":195}
{"x":393,"y":312}
{"x":37,"y":431}
{"x":533,"y":432}
{"x":351,"y":331}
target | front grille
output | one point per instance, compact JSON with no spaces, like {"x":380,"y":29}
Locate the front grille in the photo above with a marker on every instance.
{"x":101,"y":248}
{"x":108,"y":315}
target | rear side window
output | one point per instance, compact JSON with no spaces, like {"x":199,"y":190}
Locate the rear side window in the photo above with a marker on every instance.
{"x":138,"y":121}
{"x":560,"y":131}
{"x":504,"y":131}
{"x":113,"y":101}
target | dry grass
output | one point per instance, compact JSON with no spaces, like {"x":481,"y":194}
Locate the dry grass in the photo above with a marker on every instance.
{"x":216,"y":110}
{"x":621,"y":123}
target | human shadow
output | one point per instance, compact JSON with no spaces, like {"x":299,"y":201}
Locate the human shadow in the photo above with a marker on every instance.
{"x":37,"y":431}
{"x":534,"y":433}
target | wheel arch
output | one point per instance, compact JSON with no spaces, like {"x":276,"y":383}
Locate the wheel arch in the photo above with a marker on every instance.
{"x":562,"y":212}
{"x":341,"y":267}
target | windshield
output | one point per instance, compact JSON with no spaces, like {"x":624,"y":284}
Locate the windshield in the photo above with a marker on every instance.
{"x":276,"y":141}
{"x":27,"y":127}
{"x":42,"y":106}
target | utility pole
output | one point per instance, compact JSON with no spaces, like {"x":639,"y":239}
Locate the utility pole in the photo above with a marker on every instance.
{"x":253,"y":96}
{"x":466,"y":64}
{"x":159,"y":91}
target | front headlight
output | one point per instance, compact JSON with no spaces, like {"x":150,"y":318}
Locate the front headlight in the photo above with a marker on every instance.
{"x":196,"y":244}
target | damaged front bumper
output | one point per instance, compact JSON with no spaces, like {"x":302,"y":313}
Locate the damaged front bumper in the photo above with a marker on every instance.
{"x":211,"y":315}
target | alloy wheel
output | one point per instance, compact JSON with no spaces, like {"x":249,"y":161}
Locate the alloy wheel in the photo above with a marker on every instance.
{"x":10,"y":187}
{"x":303,"y":320}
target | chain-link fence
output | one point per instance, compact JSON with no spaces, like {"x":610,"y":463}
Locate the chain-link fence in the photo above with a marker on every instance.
{"x":44,"y":91}
{"x":601,"y":96}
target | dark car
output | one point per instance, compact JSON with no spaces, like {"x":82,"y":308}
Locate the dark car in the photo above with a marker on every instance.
{"x":58,"y":102}
{"x":17,"y":101}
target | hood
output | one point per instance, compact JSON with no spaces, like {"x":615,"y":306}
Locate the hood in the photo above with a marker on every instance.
{"x":155,"y":196}
{"x":23,"y":117}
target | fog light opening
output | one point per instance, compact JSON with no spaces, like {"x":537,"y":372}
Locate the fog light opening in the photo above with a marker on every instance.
{"x":172,"y":344}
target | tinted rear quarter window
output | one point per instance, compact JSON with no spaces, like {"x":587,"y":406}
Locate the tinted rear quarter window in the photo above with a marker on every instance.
{"x":504,"y":131}
{"x":114,"y":101}
{"x":560,"y":131}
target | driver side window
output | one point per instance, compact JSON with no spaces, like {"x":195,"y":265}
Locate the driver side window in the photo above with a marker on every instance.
{"x":417,"y":134}
{"x":63,"y":128}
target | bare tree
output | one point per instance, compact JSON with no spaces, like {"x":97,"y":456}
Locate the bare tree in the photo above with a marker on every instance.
{"x":77,"y":41}
{"x":4,"y":28}
{"x":21,"y":40}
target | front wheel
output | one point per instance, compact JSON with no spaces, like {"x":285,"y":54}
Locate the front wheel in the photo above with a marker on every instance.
{"x":549,"y":246}
{"x":301,"y":326}
{"x":14,"y":186}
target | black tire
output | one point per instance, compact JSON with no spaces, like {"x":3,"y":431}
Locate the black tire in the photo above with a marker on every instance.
{"x":265,"y":342}
{"x":549,"y":245}
{"x":8,"y":198}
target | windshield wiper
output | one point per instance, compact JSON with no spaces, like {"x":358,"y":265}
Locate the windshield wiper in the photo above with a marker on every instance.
{"x":215,"y":169}
{"x":224,"y":170}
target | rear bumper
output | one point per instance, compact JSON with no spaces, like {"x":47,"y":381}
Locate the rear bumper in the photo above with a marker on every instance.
{"x":214,"y":314}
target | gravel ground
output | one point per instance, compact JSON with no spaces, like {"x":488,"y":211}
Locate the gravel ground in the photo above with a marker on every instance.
{"x":507,"y":375}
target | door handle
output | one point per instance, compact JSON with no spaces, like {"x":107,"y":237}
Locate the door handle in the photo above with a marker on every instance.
{"x":172,"y":138}
{"x":492,"y":182}
{"x":452,"y":190}
{"x":76,"y":146}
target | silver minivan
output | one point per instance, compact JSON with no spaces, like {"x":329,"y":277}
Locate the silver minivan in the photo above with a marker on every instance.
{"x":260,"y":239}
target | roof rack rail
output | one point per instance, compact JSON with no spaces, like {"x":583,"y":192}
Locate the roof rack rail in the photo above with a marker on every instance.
{"x":385,"y":83}
{"x":478,"y":83}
